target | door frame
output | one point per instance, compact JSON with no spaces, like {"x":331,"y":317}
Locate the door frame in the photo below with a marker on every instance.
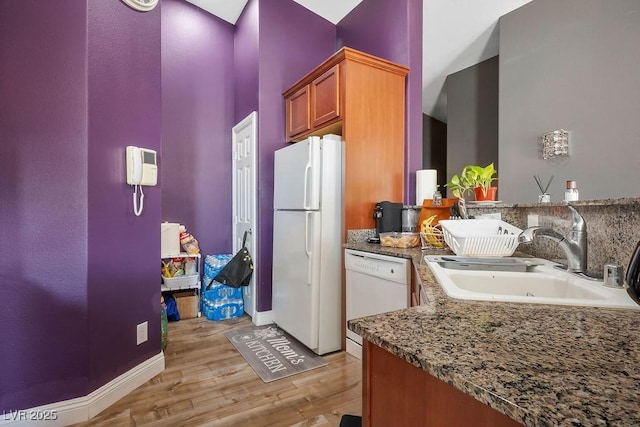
{"x":250,"y":120}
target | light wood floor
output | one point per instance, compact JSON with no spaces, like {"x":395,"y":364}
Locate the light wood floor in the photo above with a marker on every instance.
{"x":207,"y":382}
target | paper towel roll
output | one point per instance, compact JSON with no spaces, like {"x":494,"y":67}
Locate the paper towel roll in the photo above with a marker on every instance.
{"x":426,"y":184}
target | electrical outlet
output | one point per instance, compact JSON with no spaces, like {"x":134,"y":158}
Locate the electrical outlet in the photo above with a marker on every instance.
{"x":142,"y":332}
{"x":532,"y":220}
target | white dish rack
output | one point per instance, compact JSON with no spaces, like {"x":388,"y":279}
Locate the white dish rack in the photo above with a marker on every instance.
{"x":480,"y":237}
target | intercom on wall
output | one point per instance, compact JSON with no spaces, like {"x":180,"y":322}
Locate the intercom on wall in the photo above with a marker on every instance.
{"x":142,"y":169}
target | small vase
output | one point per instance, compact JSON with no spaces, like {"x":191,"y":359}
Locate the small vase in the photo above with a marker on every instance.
{"x":481,"y":197}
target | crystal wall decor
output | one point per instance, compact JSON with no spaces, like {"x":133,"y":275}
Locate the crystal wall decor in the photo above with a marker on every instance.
{"x":555,"y":144}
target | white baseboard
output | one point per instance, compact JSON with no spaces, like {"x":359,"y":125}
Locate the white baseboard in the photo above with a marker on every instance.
{"x":354,"y":349}
{"x":84,"y":408}
{"x":263,"y":318}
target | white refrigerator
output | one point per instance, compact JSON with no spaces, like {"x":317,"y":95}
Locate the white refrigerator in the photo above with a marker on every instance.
{"x":307,"y":241}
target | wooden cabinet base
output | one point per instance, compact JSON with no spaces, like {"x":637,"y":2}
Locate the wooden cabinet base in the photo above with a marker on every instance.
{"x":396,"y":393}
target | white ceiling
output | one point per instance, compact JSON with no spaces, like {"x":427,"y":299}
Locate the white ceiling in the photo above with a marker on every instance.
{"x":230,"y":10}
{"x":456,"y":35}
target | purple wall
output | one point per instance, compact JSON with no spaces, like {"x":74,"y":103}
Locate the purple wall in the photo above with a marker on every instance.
{"x":246,"y":62}
{"x":43,"y":199}
{"x":392,"y":29}
{"x":197,"y":117}
{"x":124,"y":250}
{"x":81,"y":270}
{"x":292,"y":42}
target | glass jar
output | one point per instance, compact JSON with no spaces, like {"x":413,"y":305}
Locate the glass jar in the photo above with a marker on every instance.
{"x":571,"y":193}
{"x":437,"y":198}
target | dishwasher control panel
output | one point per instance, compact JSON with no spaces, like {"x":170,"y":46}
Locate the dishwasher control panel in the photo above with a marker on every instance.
{"x":382,"y":266}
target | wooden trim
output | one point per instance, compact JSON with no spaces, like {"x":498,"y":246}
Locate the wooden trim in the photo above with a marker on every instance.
{"x":351,"y":55}
{"x":366,"y":384}
{"x":84,"y":408}
{"x":333,"y":127}
{"x":375,"y":62}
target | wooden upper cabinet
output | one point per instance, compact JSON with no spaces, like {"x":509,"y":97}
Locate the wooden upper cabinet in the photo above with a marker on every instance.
{"x":298,"y":114}
{"x":325,"y":97}
{"x":313,"y":106}
{"x":362,"y":98}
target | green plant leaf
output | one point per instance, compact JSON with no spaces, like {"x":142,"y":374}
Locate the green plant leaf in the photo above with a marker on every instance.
{"x":472,"y":176}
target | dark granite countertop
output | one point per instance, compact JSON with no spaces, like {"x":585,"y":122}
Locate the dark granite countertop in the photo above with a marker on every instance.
{"x":541,"y":365}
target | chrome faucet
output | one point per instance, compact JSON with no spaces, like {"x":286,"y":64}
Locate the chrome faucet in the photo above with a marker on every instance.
{"x":574,"y":247}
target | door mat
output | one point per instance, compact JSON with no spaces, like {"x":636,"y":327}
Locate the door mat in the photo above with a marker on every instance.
{"x":272,"y":352}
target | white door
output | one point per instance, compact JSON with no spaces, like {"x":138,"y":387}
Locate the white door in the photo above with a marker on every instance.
{"x":296,"y":291}
{"x":296,"y":183}
{"x":244,"y":171}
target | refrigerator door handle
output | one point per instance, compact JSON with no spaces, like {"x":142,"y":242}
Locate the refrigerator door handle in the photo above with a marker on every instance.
{"x":305,"y":202}
{"x":307,"y":242}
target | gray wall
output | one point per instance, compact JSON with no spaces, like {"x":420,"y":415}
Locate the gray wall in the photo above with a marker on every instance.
{"x":434,"y":147}
{"x":472,"y":117}
{"x":574,"y":65}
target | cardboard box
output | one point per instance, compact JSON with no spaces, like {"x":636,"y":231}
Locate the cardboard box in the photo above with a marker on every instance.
{"x":187,"y":303}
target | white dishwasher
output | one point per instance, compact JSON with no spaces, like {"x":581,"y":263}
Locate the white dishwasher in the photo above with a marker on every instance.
{"x":374,"y":284}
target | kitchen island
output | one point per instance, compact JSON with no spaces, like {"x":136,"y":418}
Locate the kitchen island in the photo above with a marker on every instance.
{"x":540,"y":365}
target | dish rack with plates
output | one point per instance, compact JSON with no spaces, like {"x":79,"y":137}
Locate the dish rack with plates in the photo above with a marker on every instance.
{"x":480,"y":237}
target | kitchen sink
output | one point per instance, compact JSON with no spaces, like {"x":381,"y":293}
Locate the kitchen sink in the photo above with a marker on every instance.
{"x":538,"y":282}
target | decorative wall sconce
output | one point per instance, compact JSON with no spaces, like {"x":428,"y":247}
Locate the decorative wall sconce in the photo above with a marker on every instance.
{"x":555,"y":144}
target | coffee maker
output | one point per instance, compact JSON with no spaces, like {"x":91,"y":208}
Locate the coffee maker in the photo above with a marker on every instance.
{"x":388,"y":217}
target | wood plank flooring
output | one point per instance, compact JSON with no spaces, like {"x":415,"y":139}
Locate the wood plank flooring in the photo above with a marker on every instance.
{"x":207,"y":383}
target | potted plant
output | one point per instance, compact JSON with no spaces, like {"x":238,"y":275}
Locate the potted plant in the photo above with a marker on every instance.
{"x":476,"y":178}
{"x":459,"y":185}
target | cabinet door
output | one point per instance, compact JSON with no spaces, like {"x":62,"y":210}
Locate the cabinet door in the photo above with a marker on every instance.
{"x":298,"y":114}
{"x":396,"y":393}
{"x":325,"y":97}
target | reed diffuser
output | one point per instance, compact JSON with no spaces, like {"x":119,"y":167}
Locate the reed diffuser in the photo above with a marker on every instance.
{"x":543,"y":197}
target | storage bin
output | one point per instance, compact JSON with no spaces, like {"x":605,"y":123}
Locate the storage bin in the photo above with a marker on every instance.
{"x":179,"y":282}
{"x":399,"y":240}
{"x":187,"y":303}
